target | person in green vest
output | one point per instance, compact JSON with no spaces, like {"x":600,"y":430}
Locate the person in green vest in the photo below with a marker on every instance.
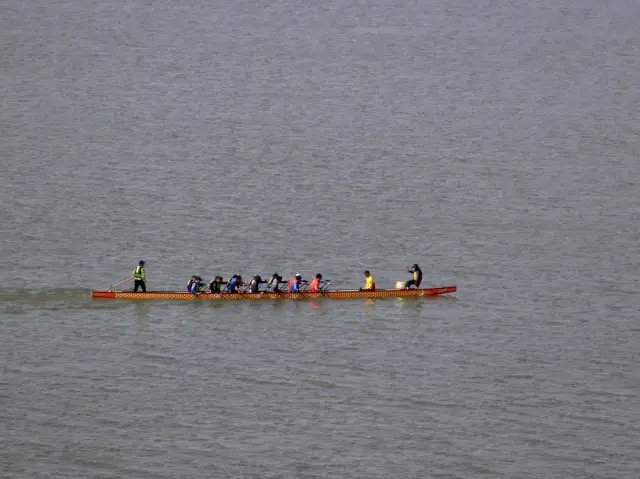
{"x":140,"y":278}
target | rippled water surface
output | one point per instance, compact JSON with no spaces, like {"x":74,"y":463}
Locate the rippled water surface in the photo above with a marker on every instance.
{"x":494,"y":143}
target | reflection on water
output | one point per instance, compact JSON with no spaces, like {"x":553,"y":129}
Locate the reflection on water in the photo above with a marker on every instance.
{"x":142,"y":311}
{"x":370,"y":307}
{"x":320,"y":146}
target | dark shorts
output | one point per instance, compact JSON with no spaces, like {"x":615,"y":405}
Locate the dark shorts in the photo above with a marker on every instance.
{"x":412,"y":282}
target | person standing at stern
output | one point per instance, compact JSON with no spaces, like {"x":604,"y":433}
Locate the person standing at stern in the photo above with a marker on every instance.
{"x":140,"y":278}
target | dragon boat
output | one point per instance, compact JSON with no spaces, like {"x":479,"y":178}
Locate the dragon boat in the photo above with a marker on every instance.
{"x":333,"y":294}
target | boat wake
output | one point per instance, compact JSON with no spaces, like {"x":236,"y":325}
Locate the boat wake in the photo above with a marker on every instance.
{"x":41,"y":295}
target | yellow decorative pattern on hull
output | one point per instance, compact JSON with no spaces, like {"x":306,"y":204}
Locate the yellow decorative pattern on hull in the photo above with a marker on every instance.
{"x":337,"y":294}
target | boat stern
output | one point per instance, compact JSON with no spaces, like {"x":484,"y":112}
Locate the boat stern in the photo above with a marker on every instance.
{"x":103,"y":294}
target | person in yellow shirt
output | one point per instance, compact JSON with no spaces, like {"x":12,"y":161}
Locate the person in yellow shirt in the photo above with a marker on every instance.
{"x":369,"y":282}
{"x":140,"y":278}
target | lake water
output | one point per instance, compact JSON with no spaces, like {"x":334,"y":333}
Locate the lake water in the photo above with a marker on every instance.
{"x":495,"y":143}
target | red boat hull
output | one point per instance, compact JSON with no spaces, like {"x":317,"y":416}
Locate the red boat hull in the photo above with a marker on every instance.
{"x":337,"y":294}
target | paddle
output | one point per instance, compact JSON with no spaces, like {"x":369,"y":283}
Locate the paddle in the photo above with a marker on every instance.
{"x":110,"y":288}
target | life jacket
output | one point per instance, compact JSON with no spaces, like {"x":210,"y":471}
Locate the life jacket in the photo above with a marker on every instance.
{"x":255,"y":284}
{"x":370,"y":284}
{"x":138,"y":273}
{"x":190,"y":283}
{"x":315,"y":285}
{"x":290,"y":284}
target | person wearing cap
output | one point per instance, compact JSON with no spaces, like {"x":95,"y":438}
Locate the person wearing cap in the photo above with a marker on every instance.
{"x":274,"y":283}
{"x":417,"y":277}
{"x":369,"y":282}
{"x":140,"y":278}
{"x":296,"y":283}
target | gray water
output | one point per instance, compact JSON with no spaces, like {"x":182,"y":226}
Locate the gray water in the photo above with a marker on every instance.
{"x":493,"y":142}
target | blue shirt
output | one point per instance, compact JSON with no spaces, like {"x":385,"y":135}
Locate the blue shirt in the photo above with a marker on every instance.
{"x":231,"y":285}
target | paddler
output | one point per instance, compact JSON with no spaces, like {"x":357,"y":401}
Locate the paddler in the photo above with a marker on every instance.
{"x":215,"y":286}
{"x":274,"y":283}
{"x":254,"y":284}
{"x":140,"y":277}
{"x":417,"y":277}
{"x":314,"y":287}
{"x":195,"y":285}
{"x":232,"y":284}
{"x":369,"y":282}
{"x":240,"y":282}
{"x":295,"y":283}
